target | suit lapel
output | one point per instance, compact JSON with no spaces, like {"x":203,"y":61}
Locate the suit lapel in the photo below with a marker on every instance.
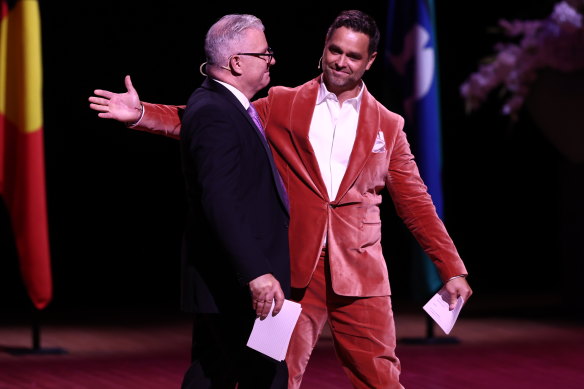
{"x":301,"y":116}
{"x":217,"y":87}
{"x":367,"y":128}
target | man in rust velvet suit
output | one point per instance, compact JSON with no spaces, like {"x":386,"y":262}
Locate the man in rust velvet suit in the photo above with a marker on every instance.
{"x":336,"y":148}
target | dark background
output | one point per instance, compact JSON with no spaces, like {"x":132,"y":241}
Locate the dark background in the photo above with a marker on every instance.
{"x":115,"y":196}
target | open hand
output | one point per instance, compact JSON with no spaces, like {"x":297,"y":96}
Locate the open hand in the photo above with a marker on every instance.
{"x":123,"y":107}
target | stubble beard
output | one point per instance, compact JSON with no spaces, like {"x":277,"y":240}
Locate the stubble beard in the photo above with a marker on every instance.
{"x":336,"y":83}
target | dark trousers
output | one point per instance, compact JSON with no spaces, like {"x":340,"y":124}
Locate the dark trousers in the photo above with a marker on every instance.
{"x":221,"y":359}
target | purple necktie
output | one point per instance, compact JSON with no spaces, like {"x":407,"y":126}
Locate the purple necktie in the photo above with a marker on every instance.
{"x":256,"y":119}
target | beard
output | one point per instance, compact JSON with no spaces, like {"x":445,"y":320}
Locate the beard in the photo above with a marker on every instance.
{"x":340,"y":82}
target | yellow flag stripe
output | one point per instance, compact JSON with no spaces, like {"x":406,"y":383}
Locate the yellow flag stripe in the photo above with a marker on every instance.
{"x":20,"y":66}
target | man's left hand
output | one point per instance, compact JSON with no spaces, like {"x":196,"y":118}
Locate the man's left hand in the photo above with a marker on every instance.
{"x":457,"y":287}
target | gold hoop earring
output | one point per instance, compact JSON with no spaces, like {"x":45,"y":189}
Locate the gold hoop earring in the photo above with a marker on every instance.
{"x":320,"y":63}
{"x":201,"y":69}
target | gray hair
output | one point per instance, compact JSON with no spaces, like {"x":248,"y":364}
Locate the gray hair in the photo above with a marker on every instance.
{"x":224,"y":37}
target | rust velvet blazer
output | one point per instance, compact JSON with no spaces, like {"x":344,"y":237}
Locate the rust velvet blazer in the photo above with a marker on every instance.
{"x":351,"y":221}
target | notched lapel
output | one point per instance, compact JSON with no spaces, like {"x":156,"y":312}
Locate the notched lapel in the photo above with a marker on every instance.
{"x":215,"y":86}
{"x":218,"y":88}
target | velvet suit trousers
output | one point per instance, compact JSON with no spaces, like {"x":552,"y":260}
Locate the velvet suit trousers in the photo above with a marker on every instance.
{"x":362,"y":328}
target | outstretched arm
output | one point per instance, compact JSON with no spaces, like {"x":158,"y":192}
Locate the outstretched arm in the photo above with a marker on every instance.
{"x":127,"y":108}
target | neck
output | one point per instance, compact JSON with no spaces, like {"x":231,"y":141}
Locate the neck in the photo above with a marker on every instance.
{"x":229,"y":78}
{"x":344,"y":93}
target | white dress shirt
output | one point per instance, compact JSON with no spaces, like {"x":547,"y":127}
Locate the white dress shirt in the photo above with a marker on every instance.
{"x":332,"y":134}
{"x":236,"y":92}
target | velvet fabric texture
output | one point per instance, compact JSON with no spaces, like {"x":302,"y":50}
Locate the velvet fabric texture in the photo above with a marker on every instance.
{"x":351,"y":290}
{"x":362,"y":328}
{"x":351,"y":222}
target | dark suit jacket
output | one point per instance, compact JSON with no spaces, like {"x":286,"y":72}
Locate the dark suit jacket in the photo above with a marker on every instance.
{"x":237,"y":225}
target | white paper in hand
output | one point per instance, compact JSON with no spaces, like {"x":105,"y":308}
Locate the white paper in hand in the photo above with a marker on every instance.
{"x":437,"y":308}
{"x":271,"y":336}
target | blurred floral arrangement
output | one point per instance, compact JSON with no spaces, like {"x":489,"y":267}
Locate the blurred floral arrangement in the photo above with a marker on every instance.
{"x":556,"y":42}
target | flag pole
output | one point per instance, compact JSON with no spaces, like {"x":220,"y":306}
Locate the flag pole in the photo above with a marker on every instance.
{"x":413,"y":86}
{"x":430,"y":337}
{"x":36,"y":349}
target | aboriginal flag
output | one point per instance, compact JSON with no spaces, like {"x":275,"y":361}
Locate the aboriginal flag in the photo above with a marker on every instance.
{"x":22,"y":170}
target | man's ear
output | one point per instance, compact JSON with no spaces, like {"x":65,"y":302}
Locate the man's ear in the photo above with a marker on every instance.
{"x":235,"y":65}
{"x":371,"y":59}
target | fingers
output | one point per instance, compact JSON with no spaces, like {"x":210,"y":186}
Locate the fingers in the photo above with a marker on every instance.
{"x":451,"y":296}
{"x":99,"y":107}
{"x":262,"y":308}
{"x":264,"y":290}
{"x":457,"y":287}
{"x":465,"y":294}
{"x":128,"y":82}
{"x":278,"y":302}
{"x":98,"y":100}
{"x":103,"y":93}
{"x":266,"y":309}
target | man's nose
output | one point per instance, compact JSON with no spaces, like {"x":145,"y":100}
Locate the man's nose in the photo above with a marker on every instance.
{"x":341,"y":61}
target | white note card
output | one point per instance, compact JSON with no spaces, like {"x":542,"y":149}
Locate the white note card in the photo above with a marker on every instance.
{"x":271,"y":336}
{"x":437,"y":308}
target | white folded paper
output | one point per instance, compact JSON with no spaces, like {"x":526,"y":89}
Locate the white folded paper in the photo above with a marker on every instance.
{"x":437,"y":308}
{"x":271,"y":336}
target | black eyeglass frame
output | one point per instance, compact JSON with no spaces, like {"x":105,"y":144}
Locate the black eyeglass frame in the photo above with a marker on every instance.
{"x":270,"y":54}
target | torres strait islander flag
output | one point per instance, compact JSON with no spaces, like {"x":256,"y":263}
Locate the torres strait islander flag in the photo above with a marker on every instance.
{"x":22,"y":171}
{"x":411,"y":59}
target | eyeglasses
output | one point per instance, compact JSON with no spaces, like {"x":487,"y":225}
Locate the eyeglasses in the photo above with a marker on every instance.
{"x":269,"y":54}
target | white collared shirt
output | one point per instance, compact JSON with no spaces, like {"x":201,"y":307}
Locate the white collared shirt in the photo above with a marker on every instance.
{"x":332,"y":134}
{"x":236,"y":92}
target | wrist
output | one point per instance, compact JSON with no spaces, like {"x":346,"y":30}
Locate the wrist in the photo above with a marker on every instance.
{"x":140,"y":110}
{"x":458,"y":276}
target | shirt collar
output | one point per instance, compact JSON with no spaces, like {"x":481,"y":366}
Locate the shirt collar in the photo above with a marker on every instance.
{"x":323,"y":94}
{"x":236,"y":92}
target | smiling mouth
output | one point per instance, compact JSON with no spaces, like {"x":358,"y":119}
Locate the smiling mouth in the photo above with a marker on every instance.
{"x":339,"y":72}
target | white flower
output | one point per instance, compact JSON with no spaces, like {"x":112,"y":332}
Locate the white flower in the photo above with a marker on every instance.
{"x":566,"y":16}
{"x":556,"y":42}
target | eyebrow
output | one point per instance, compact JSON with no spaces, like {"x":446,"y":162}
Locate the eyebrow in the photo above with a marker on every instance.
{"x":352,"y":54}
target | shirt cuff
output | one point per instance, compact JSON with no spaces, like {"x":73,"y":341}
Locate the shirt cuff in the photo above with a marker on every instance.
{"x":140,"y":119}
{"x":458,"y":276}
